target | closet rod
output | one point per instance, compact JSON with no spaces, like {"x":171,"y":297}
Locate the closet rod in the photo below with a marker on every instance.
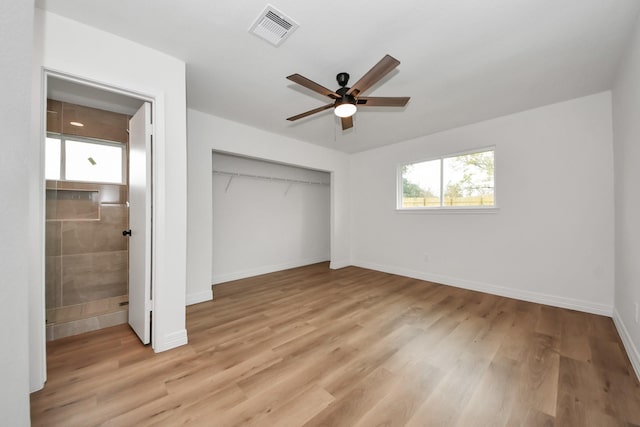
{"x":268,"y":178}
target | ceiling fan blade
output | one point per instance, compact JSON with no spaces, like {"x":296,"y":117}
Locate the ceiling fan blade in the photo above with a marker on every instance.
{"x":347,"y":122}
{"x":309,"y":84}
{"x":381,"y":101}
{"x":381,"y":69}
{"x":310,"y":112}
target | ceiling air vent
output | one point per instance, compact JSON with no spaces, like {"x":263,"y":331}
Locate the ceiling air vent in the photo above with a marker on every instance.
{"x":273,"y":26}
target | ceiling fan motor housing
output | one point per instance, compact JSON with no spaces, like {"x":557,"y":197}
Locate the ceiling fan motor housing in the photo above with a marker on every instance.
{"x":343,"y":79}
{"x":344,"y":97}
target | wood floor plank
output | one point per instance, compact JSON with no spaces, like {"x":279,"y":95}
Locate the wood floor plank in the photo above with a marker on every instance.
{"x":193,"y":408}
{"x":492,"y":402}
{"x":538,"y":374}
{"x":361,"y":398}
{"x":342,"y":379}
{"x":446,"y":403}
{"x":416,"y":382}
{"x":300,"y":409}
{"x":350,"y":347}
{"x":574,"y":342}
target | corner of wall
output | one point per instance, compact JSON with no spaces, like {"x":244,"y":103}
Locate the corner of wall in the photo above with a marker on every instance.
{"x":626,"y":107}
{"x":338,"y":264}
{"x":198,"y":297}
{"x":632,"y":350}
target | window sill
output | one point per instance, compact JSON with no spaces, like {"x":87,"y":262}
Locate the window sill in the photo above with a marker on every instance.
{"x":449,"y":210}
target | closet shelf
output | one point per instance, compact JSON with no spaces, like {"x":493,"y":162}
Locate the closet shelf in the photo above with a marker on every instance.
{"x":268,"y":178}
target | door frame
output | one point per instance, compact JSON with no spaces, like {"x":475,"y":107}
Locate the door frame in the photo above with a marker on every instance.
{"x":153,"y":100}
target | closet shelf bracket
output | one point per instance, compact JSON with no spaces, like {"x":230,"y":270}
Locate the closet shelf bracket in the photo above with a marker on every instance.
{"x":228,"y":183}
{"x":288,"y":188}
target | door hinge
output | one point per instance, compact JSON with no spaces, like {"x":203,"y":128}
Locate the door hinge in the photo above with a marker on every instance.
{"x":150,"y":128}
{"x":150,"y":305}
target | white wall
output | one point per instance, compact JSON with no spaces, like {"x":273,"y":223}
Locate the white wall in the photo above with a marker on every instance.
{"x":208,"y":133}
{"x":16,"y":33}
{"x":550,"y":241}
{"x":260,"y":225}
{"x":626,"y":146}
{"x":75,"y":49}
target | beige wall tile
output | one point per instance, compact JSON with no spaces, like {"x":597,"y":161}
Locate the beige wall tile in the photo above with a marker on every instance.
{"x":79,"y":237}
{"x":54,"y":116}
{"x":98,"y":124}
{"x":53,"y":282}
{"x":113,"y":194}
{"x":53,"y":238}
{"x":88,"y":277}
{"x":65,"y":204}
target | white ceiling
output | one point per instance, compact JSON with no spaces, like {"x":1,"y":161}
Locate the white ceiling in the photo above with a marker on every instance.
{"x":462,"y":61}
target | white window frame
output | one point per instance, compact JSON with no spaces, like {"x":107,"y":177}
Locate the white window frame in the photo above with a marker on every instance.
{"x":442,"y":208}
{"x":63,"y":138}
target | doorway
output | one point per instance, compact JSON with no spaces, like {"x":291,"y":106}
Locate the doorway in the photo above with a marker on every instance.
{"x":89,"y":244}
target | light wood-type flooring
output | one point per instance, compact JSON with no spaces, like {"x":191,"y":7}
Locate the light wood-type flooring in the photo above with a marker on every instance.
{"x":350,"y":347}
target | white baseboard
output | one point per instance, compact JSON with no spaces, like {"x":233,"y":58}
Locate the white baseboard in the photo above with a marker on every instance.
{"x":335,"y":265}
{"x":169,"y":341}
{"x":632,"y":350}
{"x":198,"y":297}
{"x":265,"y":269}
{"x":554,"y":300}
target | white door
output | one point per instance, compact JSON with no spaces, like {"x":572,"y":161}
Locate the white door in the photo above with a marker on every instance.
{"x":140,"y":223}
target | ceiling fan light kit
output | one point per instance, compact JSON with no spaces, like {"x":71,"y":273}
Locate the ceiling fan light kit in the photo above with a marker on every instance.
{"x":346,"y":99}
{"x":345,"y":106}
{"x":345,"y":109}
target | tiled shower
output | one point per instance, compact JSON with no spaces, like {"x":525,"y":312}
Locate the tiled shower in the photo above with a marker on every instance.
{"x":86,"y":254}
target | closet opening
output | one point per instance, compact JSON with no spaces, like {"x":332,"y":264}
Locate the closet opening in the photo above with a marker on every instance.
{"x":267,"y":217}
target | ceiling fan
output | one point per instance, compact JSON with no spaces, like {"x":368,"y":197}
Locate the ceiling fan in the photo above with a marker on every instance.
{"x":346,"y":100}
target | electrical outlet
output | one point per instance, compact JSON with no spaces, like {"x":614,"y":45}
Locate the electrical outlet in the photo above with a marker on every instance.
{"x":637,"y":314}
{"x":425,"y":257}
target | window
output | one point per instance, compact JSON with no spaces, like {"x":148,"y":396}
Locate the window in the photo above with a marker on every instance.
{"x":79,"y":159}
{"x":463,"y":180}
